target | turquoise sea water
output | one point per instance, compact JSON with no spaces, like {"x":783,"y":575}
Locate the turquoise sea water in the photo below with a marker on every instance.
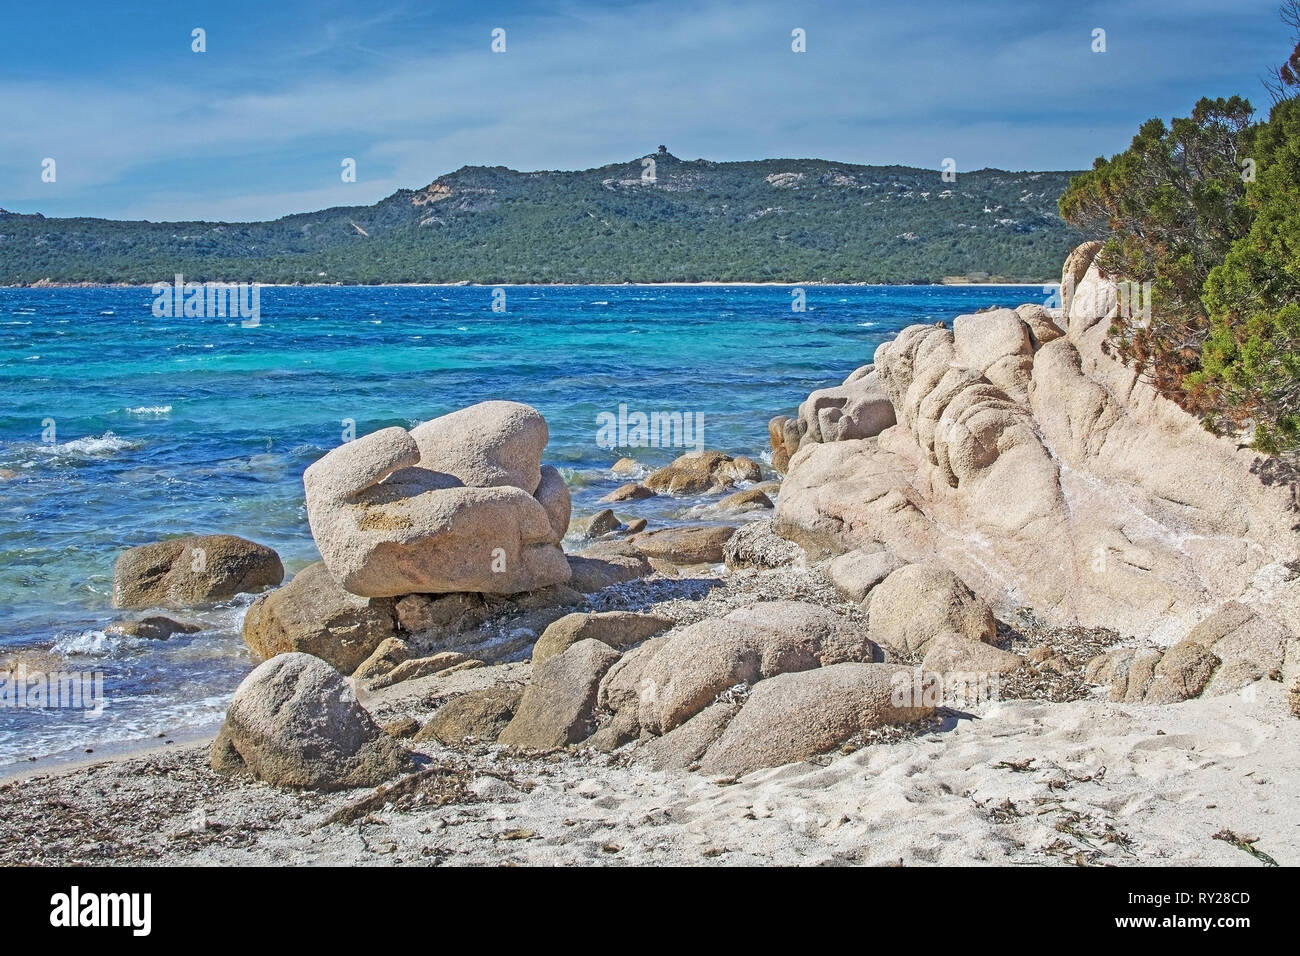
{"x":163,"y":426}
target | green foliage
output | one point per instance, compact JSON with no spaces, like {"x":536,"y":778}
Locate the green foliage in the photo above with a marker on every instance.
{"x":1172,"y":205}
{"x":775,"y":220}
{"x":1222,"y":248}
{"x":1251,"y":361}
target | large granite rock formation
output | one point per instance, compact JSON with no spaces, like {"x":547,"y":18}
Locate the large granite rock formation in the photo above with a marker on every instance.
{"x":1044,"y":473}
{"x":459,"y":503}
{"x":766,"y":684}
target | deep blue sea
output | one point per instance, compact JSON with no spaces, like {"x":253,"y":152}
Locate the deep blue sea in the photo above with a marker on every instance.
{"x":178,"y":425}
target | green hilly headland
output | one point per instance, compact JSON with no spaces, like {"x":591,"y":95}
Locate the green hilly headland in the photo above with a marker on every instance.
{"x":774,"y":220}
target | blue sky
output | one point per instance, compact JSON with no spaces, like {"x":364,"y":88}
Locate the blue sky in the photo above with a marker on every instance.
{"x":141,"y":127}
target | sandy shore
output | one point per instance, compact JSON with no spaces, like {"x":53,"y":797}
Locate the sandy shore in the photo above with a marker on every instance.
{"x":1027,"y":783}
{"x":1030,"y":781}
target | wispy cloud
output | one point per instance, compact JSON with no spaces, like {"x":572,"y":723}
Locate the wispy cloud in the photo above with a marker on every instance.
{"x":257,"y":126}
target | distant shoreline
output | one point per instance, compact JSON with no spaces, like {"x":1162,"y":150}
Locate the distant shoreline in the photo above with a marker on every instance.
{"x":525,"y":285}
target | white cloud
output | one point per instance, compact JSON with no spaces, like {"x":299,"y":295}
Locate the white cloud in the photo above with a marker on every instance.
{"x":879,"y":84}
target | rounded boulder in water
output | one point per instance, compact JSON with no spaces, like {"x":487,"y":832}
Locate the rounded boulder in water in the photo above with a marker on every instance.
{"x":193,"y":570}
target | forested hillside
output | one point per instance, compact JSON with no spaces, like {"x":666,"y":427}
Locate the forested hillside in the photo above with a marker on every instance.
{"x":772,"y":220}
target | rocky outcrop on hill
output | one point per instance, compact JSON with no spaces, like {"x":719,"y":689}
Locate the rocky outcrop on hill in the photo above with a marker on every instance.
{"x":1043,"y":473}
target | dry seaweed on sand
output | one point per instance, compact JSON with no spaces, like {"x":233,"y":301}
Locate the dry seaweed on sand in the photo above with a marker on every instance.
{"x":432,"y":787}
{"x":136,"y":810}
{"x":885,"y":736}
{"x":1056,"y":656}
{"x":1092,"y":833}
{"x":1245,"y":843}
{"x":1015,"y":766}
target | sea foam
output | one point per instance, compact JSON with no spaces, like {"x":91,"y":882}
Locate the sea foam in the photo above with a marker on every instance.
{"x":91,"y":446}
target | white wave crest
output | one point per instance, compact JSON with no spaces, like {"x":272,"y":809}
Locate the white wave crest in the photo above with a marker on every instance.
{"x":91,"y":643}
{"x":91,"y":446}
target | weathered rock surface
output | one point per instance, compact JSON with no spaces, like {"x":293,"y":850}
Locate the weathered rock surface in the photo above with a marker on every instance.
{"x":553,"y":493}
{"x":632,"y":491}
{"x":461,"y":503}
{"x":417,"y":667}
{"x":477,"y":716}
{"x":418,"y":613}
{"x":855,"y":573}
{"x":314,"y":615}
{"x":603,"y":523}
{"x":559,"y":702}
{"x":294,"y":722}
{"x":919,"y":602}
{"x":486,"y":445}
{"x":955,"y":654}
{"x":698,"y":544}
{"x":403,"y":728}
{"x":618,"y":629}
{"x":859,"y":408}
{"x":795,"y":716}
{"x":30,"y":662}
{"x":1041,"y":323}
{"x":599,"y":567}
{"x":757,"y":545}
{"x":1043,"y":473}
{"x":685,"y":745}
{"x":776,"y":430}
{"x":997,"y":344}
{"x":390,"y":652}
{"x":1230,"y":649}
{"x":751,"y":499}
{"x":620,"y":729}
{"x":155,"y":627}
{"x":701,"y":472}
{"x":196,"y":569}
{"x":621,"y":688}
{"x":689,"y":668}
